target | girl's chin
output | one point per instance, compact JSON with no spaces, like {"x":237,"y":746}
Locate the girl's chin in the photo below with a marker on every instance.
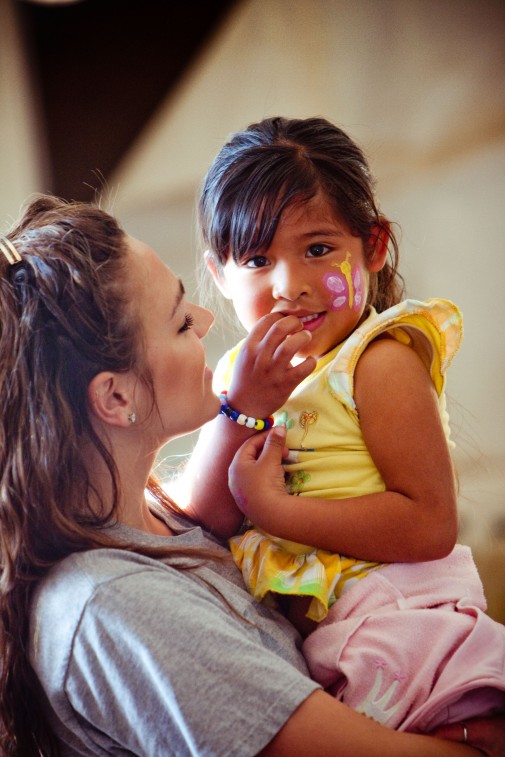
{"x":316,"y":351}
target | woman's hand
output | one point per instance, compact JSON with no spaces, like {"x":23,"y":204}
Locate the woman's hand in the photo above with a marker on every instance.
{"x":486,"y":734}
{"x":263,"y":376}
{"x":256,"y":477}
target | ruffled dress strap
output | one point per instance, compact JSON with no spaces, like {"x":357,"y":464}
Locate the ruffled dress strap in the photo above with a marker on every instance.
{"x":434,"y":329}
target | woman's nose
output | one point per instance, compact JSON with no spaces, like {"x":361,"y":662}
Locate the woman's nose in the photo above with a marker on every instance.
{"x":203,"y":320}
{"x":289,"y":283}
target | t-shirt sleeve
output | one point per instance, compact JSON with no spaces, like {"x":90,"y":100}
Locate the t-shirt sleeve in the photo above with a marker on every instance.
{"x":182,"y":677}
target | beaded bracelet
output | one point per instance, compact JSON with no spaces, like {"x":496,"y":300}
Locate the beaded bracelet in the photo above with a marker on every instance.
{"x":258,"y":424}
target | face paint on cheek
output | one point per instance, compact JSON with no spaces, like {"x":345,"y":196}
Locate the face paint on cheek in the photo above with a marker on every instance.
{"x":357,"y":283}
{"x":346,"y":286}
{"x":341,"y":284}
{"x":338,"y":289}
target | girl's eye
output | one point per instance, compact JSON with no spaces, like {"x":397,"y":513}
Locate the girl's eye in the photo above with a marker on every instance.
{"x":188,"y":322}
{"x":317,"y":250}
{"x":258,"y":261}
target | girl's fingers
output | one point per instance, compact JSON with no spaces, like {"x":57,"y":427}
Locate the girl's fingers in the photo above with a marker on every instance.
{"x":265,"y":443}
{"x":275,"y":330}
{"x":262,"y":328}
{"x":275,"y":444}
{"x":264,"y":365}
{"x":298,"y":372}
{"x":275,"y":338}
{"x":250,"y":449}
{"x":292,"y":344}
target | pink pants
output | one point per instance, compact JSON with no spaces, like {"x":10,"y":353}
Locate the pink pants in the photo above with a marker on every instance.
{"x":411,"y":646}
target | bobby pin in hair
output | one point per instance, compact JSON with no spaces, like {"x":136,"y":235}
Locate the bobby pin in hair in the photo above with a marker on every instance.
{"x":9,"y":251}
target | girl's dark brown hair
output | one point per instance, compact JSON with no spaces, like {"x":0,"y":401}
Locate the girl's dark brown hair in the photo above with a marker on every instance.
{"x":65,"y":315}
{"x":277,"y":162}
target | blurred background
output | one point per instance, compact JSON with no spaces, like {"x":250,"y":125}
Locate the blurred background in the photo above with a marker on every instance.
{"x":130,"y":101}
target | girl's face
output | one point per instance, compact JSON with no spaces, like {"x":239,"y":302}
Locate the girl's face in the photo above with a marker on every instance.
{"x":314,"y":269}
{"x":172,"y":332}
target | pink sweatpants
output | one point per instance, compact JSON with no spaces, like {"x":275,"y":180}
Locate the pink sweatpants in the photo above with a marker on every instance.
{"x":411,"y":646}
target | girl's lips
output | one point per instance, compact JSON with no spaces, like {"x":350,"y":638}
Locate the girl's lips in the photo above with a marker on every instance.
{"x":312,"y":322}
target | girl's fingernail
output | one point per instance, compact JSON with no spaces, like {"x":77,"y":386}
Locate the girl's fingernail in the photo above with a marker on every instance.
{"x":279,"y":431}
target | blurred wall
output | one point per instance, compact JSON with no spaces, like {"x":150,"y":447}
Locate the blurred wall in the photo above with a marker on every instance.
{"x":22,"y":158}
{"x":420,"y":84}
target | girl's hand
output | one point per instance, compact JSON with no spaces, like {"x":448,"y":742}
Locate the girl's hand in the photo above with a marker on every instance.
{"x":256,"y":476}
{"x":263,"y":376}
{"x":486,"y":734}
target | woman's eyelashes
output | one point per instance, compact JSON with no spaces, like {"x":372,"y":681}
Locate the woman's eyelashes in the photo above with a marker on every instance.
{"x":188,"y":323}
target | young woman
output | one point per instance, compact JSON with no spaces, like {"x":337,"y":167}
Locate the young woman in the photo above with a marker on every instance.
{"x":107,"y":594}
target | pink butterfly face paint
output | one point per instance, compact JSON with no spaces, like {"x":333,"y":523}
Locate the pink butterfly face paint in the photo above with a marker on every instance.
{"x":345,"y":286}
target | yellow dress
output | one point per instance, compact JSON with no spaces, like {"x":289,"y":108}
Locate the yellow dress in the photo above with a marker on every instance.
{"x":328,"y":457}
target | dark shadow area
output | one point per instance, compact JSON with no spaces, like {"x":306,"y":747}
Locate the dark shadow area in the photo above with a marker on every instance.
{"x":100,"y":68}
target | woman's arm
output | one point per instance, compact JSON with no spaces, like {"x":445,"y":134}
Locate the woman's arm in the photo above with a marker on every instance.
{"x":324,"y":727}
{"x":155,"y":686}
{"x":415,"y":518}
{"x":263,"y":379}
{"x":487,"y":734}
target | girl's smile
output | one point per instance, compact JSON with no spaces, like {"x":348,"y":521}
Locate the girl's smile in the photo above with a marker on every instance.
{"x":310,"y":321}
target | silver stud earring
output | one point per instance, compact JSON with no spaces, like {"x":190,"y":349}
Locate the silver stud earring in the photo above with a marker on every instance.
{"x":132,"y":418}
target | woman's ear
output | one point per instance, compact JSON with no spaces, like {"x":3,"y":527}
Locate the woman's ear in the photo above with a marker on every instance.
{"x":217,"y":275}
{"x":110,"y":398}
{"x":378,"y":246}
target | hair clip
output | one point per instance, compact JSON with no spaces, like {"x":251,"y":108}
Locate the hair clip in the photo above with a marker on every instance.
{"x":11,"y":254}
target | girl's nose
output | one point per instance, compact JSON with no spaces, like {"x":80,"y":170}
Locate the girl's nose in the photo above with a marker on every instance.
{"x":289,"y":283}
{"x":203,"y":320}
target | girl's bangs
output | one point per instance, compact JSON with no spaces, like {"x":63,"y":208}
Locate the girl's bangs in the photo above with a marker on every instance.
{"x":256,"y":218}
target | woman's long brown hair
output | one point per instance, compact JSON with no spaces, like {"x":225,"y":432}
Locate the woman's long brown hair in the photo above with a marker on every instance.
{"x":65,"y":315}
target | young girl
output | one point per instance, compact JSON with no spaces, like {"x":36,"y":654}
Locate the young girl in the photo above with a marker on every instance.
{"x":354,"y":378}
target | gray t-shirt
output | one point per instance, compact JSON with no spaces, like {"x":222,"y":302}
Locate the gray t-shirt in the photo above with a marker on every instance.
{"x":139,"y":656}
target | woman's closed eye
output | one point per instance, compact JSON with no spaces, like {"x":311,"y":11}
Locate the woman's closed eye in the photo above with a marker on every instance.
{"x":188,"y":323}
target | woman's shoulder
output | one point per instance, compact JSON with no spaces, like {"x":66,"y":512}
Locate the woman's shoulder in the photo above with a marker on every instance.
{"x":109,"y":622}
{"x":68,"y":588}
{"x":103,"y":594}
{"x":69,"y":598}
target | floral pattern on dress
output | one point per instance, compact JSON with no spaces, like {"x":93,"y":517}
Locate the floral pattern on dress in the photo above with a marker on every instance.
{"x":297,"y":481}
